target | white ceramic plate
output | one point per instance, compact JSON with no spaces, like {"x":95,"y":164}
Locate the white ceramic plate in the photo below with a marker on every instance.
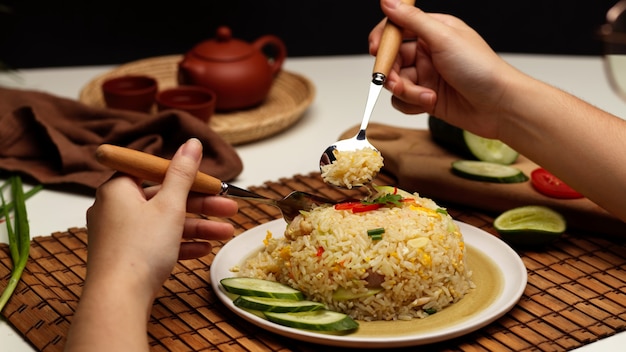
{"x":498,"y":272}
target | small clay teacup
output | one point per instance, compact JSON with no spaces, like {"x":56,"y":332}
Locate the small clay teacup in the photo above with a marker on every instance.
{"x":131,"y":92}
{"x":196,"y":100}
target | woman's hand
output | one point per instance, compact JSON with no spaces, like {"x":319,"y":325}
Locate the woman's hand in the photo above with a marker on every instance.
{"x":141,"y":230}
{"x":446,"y":69}
{"x":135,"y":237}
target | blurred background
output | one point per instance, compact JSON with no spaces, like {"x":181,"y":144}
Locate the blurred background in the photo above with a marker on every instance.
{"x":77,"y":33}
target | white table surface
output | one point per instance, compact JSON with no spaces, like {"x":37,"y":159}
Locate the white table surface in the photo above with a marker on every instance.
{"x":341,"y":85}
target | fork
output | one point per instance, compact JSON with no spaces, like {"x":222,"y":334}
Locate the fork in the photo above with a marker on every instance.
{"x":152,"y":168}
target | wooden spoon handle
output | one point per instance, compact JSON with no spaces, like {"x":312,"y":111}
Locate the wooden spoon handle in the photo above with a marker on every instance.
{"x":389,"y":45}
{"x":150,"y":167}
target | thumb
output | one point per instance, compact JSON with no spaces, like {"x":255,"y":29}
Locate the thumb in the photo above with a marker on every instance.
{"x":181,"y":172}
{"x":413,"y":19}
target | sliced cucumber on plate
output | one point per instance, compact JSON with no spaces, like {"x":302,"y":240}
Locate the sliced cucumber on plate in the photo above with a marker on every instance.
{"x":488,"y":171}
{"x":247,"y":286}
{"x":321,"y":320}
{"x":469,"y":145}
{"x":284,"y":305}
{"x":278,"y":305}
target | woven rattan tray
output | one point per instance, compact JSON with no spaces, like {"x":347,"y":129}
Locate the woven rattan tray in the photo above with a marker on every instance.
{"x":288,"y":98}
{"x":575,"y":294}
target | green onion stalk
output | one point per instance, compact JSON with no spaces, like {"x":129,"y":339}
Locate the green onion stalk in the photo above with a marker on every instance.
{"x":18,"y":233}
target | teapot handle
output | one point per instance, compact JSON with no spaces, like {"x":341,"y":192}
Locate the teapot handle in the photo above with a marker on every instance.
{"x":278,"y":45}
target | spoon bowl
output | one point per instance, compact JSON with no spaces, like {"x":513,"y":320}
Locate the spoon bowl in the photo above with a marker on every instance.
{"x":359,"y":141}
{"x":352,"y":162}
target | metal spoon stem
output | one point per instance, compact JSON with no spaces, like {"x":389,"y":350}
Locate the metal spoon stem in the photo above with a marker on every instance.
{"x":375,"y":87}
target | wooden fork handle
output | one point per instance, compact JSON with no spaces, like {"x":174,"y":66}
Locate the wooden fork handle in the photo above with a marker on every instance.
{"x":150,"y":167}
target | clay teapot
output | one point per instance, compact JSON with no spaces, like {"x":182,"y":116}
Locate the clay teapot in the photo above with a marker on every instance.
{"x":240,"y":73}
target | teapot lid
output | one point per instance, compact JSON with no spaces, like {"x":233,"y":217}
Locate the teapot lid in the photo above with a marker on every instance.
{"x":223,"y":48}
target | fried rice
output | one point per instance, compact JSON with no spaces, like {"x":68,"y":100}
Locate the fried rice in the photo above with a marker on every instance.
{"x":411,"y":263}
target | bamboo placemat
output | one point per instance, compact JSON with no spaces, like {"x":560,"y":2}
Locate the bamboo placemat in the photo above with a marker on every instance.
{"x":575,"y":294}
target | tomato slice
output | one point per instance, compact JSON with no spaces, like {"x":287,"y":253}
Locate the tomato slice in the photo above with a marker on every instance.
{"x":346,"y":205}
{"x":551,"y":186}
{"x":365,"y":207}
{"x":357,"y":207}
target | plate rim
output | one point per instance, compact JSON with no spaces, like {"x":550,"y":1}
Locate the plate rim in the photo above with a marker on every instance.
{"x":509,"y":296}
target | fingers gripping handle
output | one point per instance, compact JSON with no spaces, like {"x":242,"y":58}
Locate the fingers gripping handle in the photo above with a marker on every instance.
{"x":150,"y":167}
{"x":388,"y":49}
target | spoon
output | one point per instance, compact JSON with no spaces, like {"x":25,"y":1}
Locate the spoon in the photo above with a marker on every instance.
{"x":387,"y":52}
{"x":152,"y":168}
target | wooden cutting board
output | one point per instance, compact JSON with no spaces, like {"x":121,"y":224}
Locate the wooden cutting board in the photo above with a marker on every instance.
{"x":421,"y":165}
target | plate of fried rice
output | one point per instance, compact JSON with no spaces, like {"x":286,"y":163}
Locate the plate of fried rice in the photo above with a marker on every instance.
{"x":436,"y":278}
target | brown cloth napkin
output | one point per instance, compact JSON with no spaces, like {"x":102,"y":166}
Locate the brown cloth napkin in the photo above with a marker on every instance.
{"x":53,"y":139}
{"x":421,"y":165}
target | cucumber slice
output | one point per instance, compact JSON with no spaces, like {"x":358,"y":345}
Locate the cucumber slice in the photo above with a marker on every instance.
{"x":488,"y":171}
{"x":469,"y":145}
{"x":247,"y":286}
{"x":320,"y":320}
{"x":530,"y":225}
{"x":277,"y":304}
{"x":491,"y":150}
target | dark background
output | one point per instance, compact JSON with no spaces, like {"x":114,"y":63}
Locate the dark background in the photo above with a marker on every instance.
{"x":65,"y":33}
